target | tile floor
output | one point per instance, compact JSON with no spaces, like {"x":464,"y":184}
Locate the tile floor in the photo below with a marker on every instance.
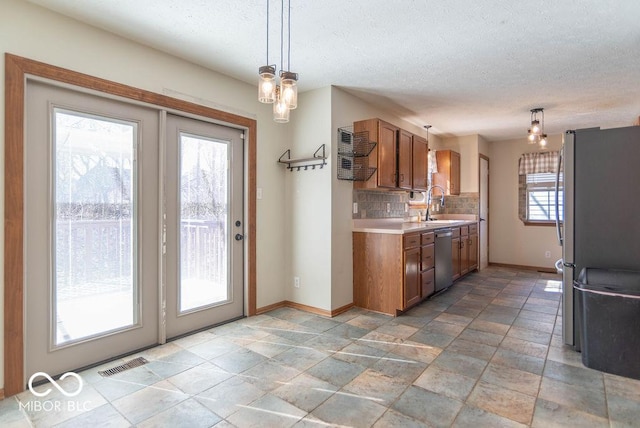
{"x":487,"y":352}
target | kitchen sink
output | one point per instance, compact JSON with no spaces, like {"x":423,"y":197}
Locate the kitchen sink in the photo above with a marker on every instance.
{"x":442,"y":221}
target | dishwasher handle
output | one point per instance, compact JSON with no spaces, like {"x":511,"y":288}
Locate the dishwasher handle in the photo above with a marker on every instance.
{"x":444,"y":233}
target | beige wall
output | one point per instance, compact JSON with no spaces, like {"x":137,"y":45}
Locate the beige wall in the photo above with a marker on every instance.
{"x":30,"y":31}
{"x":308,"y":207}
{"x":467,"y":146}
{"x":510,"y":241}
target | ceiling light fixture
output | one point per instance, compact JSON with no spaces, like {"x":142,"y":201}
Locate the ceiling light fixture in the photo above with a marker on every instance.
{"x":536,"y":132}
{"x":283,"y":96}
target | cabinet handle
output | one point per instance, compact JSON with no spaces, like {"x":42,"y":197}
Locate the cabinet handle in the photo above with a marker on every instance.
{"x":401,"y":178}
{"x":461,"y":244}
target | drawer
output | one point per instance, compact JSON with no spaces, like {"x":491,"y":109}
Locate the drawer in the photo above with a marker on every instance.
{"x":427,"y":283}
{"x":456,"y":232}
{"x":411,"y":241}
{"x":427,"y":238}
{"x":473,"y":229}
{"x":464,"y":230}
{"x":428,"y":256}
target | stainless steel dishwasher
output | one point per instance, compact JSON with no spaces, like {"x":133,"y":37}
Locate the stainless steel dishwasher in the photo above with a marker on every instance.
{"x":444,"y":268}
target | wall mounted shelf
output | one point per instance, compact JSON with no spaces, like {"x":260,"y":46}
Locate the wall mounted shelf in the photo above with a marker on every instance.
{"x":319,"y":159}
{"x":354,"y":149}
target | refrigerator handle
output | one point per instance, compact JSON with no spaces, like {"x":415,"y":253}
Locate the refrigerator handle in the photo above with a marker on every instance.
{"x":557,"y":205}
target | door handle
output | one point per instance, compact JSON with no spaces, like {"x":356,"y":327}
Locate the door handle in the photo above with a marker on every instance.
{"x":239,"y":237}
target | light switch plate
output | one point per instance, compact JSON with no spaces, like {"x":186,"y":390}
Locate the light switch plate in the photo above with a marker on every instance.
{"x":259,"y":193}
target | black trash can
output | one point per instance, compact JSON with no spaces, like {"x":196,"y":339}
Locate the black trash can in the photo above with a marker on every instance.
{"x":609,"y":318}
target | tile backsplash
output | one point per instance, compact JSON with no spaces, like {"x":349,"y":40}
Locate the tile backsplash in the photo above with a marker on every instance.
{"x":374,"y":204}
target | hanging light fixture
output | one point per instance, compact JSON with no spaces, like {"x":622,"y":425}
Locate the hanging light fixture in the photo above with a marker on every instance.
{"x":283,"y":96}
{"x":536,"y":132}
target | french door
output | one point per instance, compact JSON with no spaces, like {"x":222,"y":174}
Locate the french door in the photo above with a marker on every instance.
{"x":204,"y":224}
{"x":121,"y":222}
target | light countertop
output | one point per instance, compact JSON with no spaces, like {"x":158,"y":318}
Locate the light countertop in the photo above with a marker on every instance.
{"x":400,"y":227}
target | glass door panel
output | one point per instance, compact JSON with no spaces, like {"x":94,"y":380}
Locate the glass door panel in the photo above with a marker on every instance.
{"x":204,"y":260}
{"x":94,"y":237}
{"x":203,"y":191}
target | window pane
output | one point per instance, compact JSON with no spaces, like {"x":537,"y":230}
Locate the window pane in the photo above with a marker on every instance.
{"x":94,"y":239}
{"x":541,"y":204}
{"x":203,"y":222}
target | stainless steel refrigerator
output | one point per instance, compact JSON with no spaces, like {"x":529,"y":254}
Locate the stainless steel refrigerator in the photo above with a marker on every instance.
{"x":601,"y":208}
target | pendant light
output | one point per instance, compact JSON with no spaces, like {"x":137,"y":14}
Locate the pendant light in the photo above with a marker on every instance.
{"x":280,"y":108}
{"x":283,"y":96}
{"x":536,"y":131}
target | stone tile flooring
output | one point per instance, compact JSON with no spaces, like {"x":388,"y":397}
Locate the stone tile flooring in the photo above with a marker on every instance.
{"x":487,"y":352}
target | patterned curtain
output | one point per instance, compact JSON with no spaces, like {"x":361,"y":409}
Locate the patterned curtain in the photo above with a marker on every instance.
{"x":538,"y":162}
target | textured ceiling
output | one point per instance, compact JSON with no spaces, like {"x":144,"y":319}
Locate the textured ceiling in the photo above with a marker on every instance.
{"x":463,"y":66}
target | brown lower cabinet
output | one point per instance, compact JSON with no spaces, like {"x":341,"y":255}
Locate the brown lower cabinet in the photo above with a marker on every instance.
{"x":464,"y":250}
{"x":392,"y":272}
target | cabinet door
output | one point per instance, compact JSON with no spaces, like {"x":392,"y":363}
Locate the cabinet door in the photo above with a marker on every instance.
{"x":455,"y":257}
{"x":455,"y":173}
{"x":448,"y":175}
{"x":420,"y":149}
{"x":473,"y":251}
{"x":411,"y":277}
{"x":405,"y":165}
{"x":387,"y":161}
{"x":428,"y":283}
{"x":464,"y":255}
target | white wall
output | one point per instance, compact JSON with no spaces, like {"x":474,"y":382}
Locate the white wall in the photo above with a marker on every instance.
{"x":30,"y":31}
{"x":510,"y":241}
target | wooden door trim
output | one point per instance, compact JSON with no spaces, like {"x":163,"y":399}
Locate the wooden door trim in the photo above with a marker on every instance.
{"x":16,"y":71}
{"x":479,"y":203}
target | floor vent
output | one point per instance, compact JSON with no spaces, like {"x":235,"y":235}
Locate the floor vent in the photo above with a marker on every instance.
{"x":122,"y":367}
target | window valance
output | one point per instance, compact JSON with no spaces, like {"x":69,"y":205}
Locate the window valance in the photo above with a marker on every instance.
{"x":538,"y":162}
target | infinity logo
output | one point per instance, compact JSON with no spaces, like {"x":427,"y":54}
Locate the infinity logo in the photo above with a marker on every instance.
{"x":54,"y":383}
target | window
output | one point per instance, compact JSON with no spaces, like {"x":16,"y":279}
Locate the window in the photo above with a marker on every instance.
{"x":540,"y":197}
{"x":537,"y":188}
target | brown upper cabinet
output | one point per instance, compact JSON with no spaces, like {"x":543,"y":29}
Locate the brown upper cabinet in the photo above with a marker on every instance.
{"x":383,"y":156}
{"x":448,"y":175}
{"x":420,"y":150}
{"x":400,"y":156}
{"x":405,"y":159}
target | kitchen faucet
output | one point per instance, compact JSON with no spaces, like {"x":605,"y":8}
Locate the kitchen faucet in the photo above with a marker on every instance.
{"x":429,"y":191}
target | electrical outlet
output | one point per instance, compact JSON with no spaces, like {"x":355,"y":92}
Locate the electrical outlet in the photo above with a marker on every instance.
{"x":547,"y":254}
{"x":259,"y":193}
{"x":296,"y":281}
{"x":388,"y":207}
{"x":406,"y":208}
{"x":355,"y":208}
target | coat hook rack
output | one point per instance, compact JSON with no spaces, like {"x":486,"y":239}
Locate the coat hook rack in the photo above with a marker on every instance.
{"x":319,"y":158}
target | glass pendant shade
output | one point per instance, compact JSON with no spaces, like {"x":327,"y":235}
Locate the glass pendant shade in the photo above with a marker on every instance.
{"x":536,"y":132}
{"x":543,"y":141}
{"x":280,"y":109}
{"x":289,"y":88}
{"x":267,"y":84}
{"x":535,"y":127}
